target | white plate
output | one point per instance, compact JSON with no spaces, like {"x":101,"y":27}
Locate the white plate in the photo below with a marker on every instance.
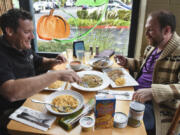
{"x":75,"y":94}
{"x":91,"y":61}
{"x":101,"y":75}
{"x":129,"y":80}
{"x":62,"y":87}
{"x":83,"y":67}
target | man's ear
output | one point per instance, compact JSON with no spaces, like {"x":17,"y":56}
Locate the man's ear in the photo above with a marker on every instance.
{"x":9,"y":31}
{"x":167,"y":30}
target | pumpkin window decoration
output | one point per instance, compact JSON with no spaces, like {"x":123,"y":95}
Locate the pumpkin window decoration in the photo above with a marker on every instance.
{"x":52,"y":26}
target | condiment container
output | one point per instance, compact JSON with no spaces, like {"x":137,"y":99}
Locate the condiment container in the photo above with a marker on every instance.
{"x":136,"y":113}
{"x":91,"y":50}
{"x":97,"y":50}
{"x":120,"y":120}
{"x":70,"y":121}
{"x":75,"y":65}
{"x":87,"y":123}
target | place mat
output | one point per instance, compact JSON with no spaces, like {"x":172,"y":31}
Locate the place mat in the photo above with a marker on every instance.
{"x":33,"y":118}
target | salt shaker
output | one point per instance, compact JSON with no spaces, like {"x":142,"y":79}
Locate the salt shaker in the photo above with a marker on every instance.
{"x":91,"y":50}
{"x":97,"y":50}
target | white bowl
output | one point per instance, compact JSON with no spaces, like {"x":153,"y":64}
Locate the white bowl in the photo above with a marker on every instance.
{"x":91,"y":63}
{"x":75,"y":94}
{"x":75,"y":65}
{"x":104,"y":77}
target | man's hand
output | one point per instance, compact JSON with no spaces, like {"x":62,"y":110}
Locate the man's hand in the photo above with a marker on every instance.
{"x":143,"y":95}
{"x":121,"y":60}
{"x":61,"y":59}
{"x":69,"y":76}
{"x":49,"y":63}
{"x":58,"y":60}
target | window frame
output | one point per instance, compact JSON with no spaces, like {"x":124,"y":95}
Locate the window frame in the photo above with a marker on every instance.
{"x":28,"y":5}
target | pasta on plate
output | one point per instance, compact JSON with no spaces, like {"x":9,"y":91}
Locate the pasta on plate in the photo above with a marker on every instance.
{"x":55,"y":85}
{"x":67,"y":102}
{"x":91,"y":80}
{"x":115,"y":74}
{"x":100,"y":64}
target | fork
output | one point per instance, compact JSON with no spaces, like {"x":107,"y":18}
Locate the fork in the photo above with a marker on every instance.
{"x":60,"y":109}
{"x":31,"y":118}
{"x":85,"y":84}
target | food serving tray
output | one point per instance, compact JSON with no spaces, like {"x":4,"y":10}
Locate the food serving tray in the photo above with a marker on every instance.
{"x":129,"y":80}
{"x":62,"y":87}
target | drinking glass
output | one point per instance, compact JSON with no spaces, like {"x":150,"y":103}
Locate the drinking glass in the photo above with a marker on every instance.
{"x":119,"y":52}
{"x":80,"y":55}
{"x":87,"y":57}
{"x":69,"y":53}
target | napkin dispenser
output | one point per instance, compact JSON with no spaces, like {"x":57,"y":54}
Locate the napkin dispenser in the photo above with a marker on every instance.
{"x":106,"y":53}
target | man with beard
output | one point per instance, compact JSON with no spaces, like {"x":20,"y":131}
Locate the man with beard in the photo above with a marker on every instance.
{"x":157,"y":72}
{"x":19,"y":64}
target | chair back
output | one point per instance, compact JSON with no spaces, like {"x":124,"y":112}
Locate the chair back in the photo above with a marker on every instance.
{"x":174,"y":122}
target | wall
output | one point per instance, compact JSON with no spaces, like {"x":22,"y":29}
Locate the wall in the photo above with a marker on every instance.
{"x":151,"y":5}
{"x":4,"y":6}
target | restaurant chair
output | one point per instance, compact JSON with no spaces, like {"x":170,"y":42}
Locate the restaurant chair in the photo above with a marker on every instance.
{"x":174,"y":123}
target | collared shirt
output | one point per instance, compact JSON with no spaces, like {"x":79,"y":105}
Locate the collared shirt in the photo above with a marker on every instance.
{"x":145,"y":80}
{"x":15,"y":64}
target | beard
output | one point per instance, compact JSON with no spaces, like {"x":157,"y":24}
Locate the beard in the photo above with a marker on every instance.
{"x":155,"y":41}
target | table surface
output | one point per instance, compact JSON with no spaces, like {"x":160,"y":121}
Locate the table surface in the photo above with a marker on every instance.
{"x":17,"y":128}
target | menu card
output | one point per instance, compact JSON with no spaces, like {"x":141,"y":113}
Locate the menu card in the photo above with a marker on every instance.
{"x":33,"y":118}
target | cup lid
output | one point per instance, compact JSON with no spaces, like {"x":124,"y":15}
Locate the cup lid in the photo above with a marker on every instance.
{"x":137,"y":106}
{"x":87,"y":121}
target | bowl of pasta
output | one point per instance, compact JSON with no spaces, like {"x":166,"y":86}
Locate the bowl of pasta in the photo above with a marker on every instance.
{"x":68,"y":100}
{"x":91,"y":81}
{"x":100,"y":63}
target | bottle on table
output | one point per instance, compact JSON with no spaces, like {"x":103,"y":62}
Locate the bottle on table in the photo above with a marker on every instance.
{"x":97,"y":50}
{"x":91,"y":50}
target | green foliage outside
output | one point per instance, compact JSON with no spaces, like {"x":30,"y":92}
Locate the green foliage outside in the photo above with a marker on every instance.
{"x":120,"y":18}
{"x":120,"y":14}
{"x":52,"y":46}
{"x":82,"y":14}
{"x":87,"y":22}
{"x":99,"y":38}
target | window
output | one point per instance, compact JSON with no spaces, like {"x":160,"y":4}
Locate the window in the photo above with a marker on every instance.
{"x":112,"y":30}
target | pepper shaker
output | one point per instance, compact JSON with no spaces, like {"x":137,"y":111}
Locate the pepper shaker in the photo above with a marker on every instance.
{"x":97,"y":50}
{"x":91,"y":50}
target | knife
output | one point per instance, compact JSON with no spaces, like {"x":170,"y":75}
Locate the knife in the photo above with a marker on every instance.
{"x":115,"y":93}
{"x":33,"y":119}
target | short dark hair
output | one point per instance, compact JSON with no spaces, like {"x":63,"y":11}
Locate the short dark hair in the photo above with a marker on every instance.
{"x":165,"y":18}
{"x":11,"y":18}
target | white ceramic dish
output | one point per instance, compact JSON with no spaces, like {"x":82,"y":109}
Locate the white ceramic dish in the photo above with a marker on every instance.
{"x":129,"y":80}
{"x":101,"y":75}
{"x":75,"y":94}
{"x":62,"y":87}
{"x":91,"y":61}
{"x":83,"y":67}
{"x":76,"y":65}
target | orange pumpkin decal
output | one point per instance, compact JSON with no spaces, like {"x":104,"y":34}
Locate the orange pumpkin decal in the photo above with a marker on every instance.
{"x":52,"y":26}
